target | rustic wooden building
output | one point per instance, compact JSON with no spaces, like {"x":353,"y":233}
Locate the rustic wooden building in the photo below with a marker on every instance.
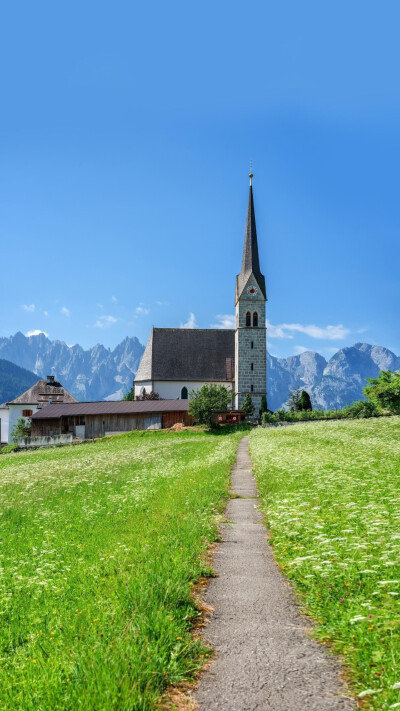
{"x":97,"y":419}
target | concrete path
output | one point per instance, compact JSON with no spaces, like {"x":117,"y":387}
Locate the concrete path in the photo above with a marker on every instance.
{"x":264,"y":656}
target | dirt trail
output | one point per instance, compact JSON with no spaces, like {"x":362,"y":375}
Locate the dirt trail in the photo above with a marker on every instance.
{"x":264,"y":657}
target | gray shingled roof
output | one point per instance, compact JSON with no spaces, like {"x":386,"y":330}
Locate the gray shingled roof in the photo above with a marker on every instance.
{"x":250,"y":259}
{"x":188,"y":354}
{"x":57,"y":410}
{"x":41,"y":392}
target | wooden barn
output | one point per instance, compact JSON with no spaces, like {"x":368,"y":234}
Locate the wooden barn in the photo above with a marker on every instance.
{"x":98,"y":419}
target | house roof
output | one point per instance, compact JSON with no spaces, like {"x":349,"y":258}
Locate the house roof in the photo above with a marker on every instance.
{"x":188,"y":354}
{"x":42,"y":392}
{"x":250,"y":259}
{"x":57,"y":410}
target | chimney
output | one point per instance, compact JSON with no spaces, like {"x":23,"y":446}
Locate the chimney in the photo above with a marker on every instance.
{"x":50,"y":379}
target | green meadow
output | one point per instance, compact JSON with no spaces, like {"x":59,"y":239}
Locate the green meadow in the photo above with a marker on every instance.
{"x":99,"y":547}
{"x":331,"y":496}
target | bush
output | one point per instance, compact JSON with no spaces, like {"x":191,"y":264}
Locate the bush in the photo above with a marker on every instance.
{"x":205,"y":401}
{"x":8,"y":448}
{"x":384,"y":390}
{"x":361,"y":409}
{"x":248,"y":406}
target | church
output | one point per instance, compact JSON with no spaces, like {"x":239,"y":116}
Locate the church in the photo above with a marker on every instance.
{"x":178,"y":360}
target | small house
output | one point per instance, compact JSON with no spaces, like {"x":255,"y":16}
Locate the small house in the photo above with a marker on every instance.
{"x":39,"y":396}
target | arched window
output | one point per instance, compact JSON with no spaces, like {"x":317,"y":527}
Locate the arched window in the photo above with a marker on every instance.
{"x":143,"y":391}
{"x":255,"y":319}
{"x":248,"y":319}
{"x":184,"y":393}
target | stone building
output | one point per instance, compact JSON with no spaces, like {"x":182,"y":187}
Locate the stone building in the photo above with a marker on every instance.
{"x":177,"y":361}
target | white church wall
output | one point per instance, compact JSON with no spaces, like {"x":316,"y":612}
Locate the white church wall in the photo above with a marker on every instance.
{"x":171,"y":389}
{"x":15,"y":413}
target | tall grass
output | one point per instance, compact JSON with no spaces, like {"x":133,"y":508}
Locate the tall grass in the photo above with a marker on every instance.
{"x":99,"y":547}
{"x":331,"y":495}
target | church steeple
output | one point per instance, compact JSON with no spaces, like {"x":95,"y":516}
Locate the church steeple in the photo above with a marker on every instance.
{"x":250,"y":259}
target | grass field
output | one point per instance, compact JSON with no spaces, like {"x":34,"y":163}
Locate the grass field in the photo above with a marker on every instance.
{"x":100,"y":544}
{"x":331,"y":495}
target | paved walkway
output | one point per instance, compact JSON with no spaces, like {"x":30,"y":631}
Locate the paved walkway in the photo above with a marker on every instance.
{"x":264,"y":656}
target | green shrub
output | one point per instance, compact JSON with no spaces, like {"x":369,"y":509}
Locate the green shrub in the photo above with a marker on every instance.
{"x":8,"y":448}
{"x":361,"y":409}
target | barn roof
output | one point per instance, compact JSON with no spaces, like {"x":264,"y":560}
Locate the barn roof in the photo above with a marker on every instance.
{"x":42,"y":392}
{"x":124,"y":407}
{"x":203,"y":354}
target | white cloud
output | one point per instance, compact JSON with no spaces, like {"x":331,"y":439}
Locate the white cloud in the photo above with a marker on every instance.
{"x":36,"y":332}
{"x":330,"y":333}
{"x":190,"y":323}
{"x":300,"y":349}
{"x":46,"y":313}
{"x":162,"y":303}
{"x":64,"y":311}
{"x":224,"y":321}
{"x":114,"y":299}
{"x":29,"y":307}
{"x":105,"y":321}
{"x":141,"y":310}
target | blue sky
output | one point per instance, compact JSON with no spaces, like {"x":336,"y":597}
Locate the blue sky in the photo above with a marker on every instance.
{"x":126,"y":131}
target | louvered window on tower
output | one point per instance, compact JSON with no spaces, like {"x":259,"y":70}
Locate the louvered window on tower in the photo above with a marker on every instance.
{"x":248,"y":319}
{"x":255,"y":319}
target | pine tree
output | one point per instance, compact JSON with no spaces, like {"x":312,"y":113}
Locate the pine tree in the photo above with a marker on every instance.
{"x":263,"y":406}
{"x":305,"y":401}
{"x":248,"y":406}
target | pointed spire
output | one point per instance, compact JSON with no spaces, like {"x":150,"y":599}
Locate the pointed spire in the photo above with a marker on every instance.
{"x":250,"y":259}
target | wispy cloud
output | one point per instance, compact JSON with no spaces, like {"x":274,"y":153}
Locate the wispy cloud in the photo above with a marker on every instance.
{"x":64,"y":311}
{"x":46,"y":313}
{"x":329,"y":333}
{"x":224,"y":321}
{"x":36,"y":332}
{"x":190,"y":323}
{"x":300,"y":349}
{"x":28,"y":307}
{"x":142,"y":310}
{"x":105,"y":321}
{"x":114,"y":299}
{"x":162,"y":303}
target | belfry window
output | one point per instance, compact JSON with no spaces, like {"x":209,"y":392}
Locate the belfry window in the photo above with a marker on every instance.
{"x":255,"y":319}
{"x":184,"y":393}
{"x":248,"y":319}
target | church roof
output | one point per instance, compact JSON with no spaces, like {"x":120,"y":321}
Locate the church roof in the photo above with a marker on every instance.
{"x":188,"y":354}
{"x":42,"y":392}
{"x":250,"y":259}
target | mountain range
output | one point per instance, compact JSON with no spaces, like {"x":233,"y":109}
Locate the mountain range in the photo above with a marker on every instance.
{"x":100,"y":373}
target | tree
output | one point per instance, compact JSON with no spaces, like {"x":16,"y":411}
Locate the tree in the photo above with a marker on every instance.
{"x":384,"y":390}
{"x":263,"y":405}
{"x":21,"y":429}
{"x":305,"y":401}
{"x":293,"y":402}
{"x":131,"y":394}
{"x":145,"y":396}
{"x":248,"y":406}
{"x":148,"y":396}
{"x":205,"y":401}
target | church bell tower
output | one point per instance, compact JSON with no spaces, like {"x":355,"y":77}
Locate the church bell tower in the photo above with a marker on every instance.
{"x":251,"y":333}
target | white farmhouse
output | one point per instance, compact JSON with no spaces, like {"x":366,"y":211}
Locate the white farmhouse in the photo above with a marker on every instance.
{"x":37,"y":397}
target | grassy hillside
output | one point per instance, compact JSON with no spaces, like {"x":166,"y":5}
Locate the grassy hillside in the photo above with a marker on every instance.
{"x":14,"y":380}
{"x":100,"y":546}
{"x":331,"y":494}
